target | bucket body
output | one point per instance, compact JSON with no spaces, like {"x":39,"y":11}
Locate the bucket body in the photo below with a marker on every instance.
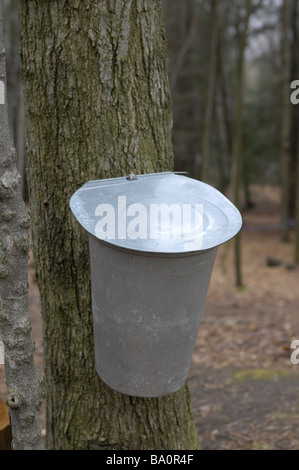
{"x":153,"y":240}
{"x":146,"y":314}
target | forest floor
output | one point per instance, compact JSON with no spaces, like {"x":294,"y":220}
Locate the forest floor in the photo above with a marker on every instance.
{"x":244,"y":387}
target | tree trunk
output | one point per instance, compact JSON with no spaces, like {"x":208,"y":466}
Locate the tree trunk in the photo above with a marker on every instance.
{"x":296,"y":254}
{"x":295,"y":133}
{"x":185,"y":47}
{"x":97,"y":105}
{"x":14,"y":85}
{"x":23,"y":380}
{"x":238,"y":142}
{"x":286,"y":118}
{"x":294,"y":117}
{"x":209,"y":105}
{"x":224,"y":157}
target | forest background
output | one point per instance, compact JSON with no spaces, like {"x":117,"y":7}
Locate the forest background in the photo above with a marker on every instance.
{"x":232,"y":72}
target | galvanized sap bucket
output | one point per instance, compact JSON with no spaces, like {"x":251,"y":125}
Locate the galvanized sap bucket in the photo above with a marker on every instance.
{"x":153,"y":241}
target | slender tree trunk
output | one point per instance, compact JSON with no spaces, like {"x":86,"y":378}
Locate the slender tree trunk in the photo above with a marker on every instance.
{"x":237,"y":166}
{"x":295,"y":115}
{"x":286,"y":118}
{"x":14,"y":85}
{"x":224,"y":118}
{"x":294,"y":71}
{"x":97,"y":105}
{"x":186,"y":46}
{"x":23,"y":380}
{"x":209,"y":105}
{"x":296,"y":257}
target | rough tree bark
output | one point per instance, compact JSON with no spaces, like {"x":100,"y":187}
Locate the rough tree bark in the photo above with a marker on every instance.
{"x":23,"y":379}
{"x":97,"y":105}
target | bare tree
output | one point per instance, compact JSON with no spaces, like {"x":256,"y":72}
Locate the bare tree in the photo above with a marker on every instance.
{"x":297,"y":210}
{"x":14,"y":86}
{"x":23,"y":379}
{"x":288,"y":6}
{"x":238,"y":139}
{"x":185,"y":47}
{"x":209,"y":105}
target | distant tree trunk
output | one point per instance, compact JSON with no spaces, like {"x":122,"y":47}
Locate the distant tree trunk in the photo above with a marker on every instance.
{"x":294,"y":116}
{"x":14,"y":85}
{"x":295,"y":133}
{"x":297,"y":209}
{"x":224,"y":158}
{"x":185,"y":47}
{"x":97,"y":105}
{"x":286,"y":117}
{"x":209,"y":105}
{"x":237,"y":166}
{"x":23,"y":380}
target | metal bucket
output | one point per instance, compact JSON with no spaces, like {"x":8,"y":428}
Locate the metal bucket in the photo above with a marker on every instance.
{"x":148,"y":294}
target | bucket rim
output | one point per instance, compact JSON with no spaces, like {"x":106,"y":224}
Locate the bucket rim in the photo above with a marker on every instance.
{"x":221,"y":220}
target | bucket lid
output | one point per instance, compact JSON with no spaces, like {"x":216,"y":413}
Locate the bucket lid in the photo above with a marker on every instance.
{"x":156,"y":213}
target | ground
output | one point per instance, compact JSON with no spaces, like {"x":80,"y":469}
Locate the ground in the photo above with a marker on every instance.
{"x":244,"y":387}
